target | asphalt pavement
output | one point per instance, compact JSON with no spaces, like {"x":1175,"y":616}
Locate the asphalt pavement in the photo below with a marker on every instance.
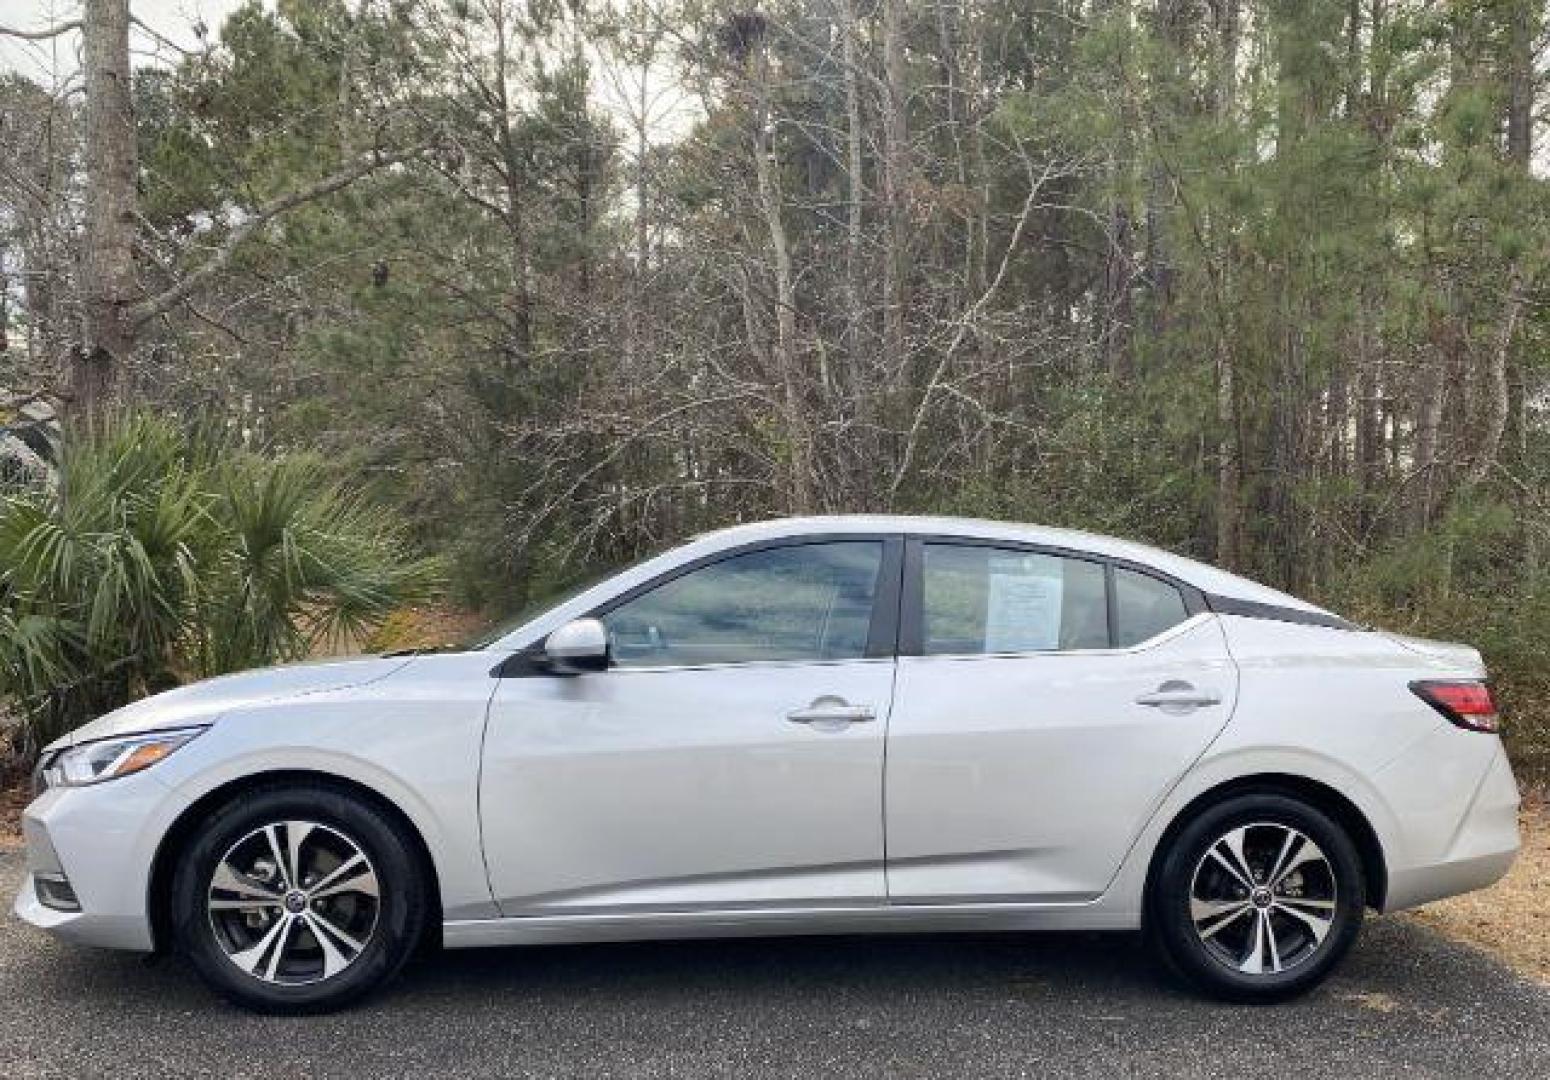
{"x":1406,"y":1002}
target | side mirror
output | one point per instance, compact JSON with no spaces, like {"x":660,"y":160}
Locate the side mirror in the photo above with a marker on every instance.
{"x":579,"y":646}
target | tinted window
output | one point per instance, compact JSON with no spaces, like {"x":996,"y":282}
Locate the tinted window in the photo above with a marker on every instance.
{"x":808,"y":602}
{"x":1144,"y":607}
{"x":994,"y":600}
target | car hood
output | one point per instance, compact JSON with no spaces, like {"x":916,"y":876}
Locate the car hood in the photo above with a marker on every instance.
{"x":204,"y":702}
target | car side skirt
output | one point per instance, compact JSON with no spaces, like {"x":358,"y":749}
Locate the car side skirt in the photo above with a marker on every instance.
{"x":780,"y":922}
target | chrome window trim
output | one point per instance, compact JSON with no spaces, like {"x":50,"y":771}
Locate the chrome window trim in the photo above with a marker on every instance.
{"x":741,"y":665}
{"x":1200,"y":618}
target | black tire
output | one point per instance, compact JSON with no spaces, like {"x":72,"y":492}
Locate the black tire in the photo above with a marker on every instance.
{"x":397,"y":915}
{"x":1215,"y":963}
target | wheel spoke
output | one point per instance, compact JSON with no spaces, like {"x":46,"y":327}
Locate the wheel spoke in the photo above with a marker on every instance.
{"x":1303,"y":901}
{"x":1316,"y":925}
{"x":279,"y":857}
{"x":1270,"y":941}
{"x":334,"y":961}
{"x":287,"y":926}
{"x":1206,"y":910}
{"x":1206,"y":932}
{"x":335,"y":931}
{"x":329,"y":938}
{"x":1234,"y":842}
{"x":1237,"y":866}
{"x":295,"y":835}
{"x":250,"y":958}
{"x":1292,"y":837}
{"x":1308,"y":852}
{"x":1254,"y":962}
{"x":353,"y":875}
{"x":242,"y":905}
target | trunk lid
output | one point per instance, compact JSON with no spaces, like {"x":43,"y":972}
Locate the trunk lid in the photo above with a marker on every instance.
{"x":1446,"y":654}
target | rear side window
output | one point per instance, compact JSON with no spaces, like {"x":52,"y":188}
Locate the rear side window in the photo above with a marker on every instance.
{"x":1144,"y":607}
{"x":978,"y":599}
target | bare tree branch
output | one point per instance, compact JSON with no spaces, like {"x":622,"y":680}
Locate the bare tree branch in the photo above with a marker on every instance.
{"x":160,"y":38}
{"x":41,"y":35}
{"x":963,"y":325}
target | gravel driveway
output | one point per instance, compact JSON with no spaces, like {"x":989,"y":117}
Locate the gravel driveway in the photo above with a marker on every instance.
{"x":1406,"y":1001}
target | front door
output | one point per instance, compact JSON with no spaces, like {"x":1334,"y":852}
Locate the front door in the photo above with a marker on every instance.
{"x":731,"y":756}
{"x":1050,"y":704}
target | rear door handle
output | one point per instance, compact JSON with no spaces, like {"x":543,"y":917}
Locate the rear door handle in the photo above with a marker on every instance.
{"x":1177,"y":696}
{"x":827,"y":711}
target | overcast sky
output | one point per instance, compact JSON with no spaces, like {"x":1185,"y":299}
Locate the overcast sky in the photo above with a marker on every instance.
{"x":44,"y":61}
{"x":54,"y":62}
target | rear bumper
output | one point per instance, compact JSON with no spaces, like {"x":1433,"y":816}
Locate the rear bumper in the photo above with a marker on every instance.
{"x":1478,"y":852}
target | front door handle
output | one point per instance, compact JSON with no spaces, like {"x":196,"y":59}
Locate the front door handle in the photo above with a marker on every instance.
{"x":831,"y":711}
{"x":1177,"y":696}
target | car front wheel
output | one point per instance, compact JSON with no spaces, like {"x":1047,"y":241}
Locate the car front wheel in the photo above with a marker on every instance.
{"x":298,"y":899}
{"x":1257,"y":898}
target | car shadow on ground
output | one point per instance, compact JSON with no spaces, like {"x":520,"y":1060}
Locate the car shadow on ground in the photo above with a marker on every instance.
{"x":903,"y":964}
{"x":1392,"y":959}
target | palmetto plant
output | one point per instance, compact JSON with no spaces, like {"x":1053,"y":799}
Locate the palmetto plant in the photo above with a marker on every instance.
{"x":160,"y":556}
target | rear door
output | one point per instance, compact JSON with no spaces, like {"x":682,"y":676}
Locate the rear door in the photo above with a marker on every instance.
{"x":1045,"y":702}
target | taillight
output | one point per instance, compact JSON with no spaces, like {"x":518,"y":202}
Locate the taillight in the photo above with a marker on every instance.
{"x":1467,"y":702}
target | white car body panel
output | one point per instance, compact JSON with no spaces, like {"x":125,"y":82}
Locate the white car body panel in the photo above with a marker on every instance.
{"x":675,"y":803}
{"x":1046,"y":800}
{"x":202,"y":702}
{"x":644,"y":788}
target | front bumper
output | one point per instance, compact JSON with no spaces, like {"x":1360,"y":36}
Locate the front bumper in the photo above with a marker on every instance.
{"x":102,"y":839}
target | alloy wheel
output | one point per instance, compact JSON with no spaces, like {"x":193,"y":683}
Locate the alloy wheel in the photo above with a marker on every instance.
{"x":294,"y":902}
{"x":1262,"y":898}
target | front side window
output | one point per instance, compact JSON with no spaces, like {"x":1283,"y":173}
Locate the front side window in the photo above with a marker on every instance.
{"x":978,"y":599}
{"x":802,"y":602}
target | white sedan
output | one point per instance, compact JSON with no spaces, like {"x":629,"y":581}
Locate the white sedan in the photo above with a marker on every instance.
{"x":829,"y":725}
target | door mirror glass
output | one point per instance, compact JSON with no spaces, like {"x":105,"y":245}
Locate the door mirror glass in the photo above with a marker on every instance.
{"x":577,"y":647}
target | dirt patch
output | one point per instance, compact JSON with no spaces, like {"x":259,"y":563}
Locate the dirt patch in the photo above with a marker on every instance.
{"x":1512,"y":917}
{"x":1374,"y":1000}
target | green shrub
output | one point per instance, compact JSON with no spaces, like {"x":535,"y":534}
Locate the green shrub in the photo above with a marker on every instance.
{"x":1471,"y":577}
{"x":159,"y":556}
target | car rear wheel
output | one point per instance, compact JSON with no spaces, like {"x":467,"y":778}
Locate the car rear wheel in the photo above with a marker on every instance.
{"x":1257,"y":898}
{"x":298,"y":899}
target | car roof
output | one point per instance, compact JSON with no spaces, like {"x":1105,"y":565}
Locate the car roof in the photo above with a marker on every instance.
{"x":1203,"y":576}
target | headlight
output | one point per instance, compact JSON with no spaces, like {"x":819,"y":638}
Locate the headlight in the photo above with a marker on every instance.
{"x":94,"y":762}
